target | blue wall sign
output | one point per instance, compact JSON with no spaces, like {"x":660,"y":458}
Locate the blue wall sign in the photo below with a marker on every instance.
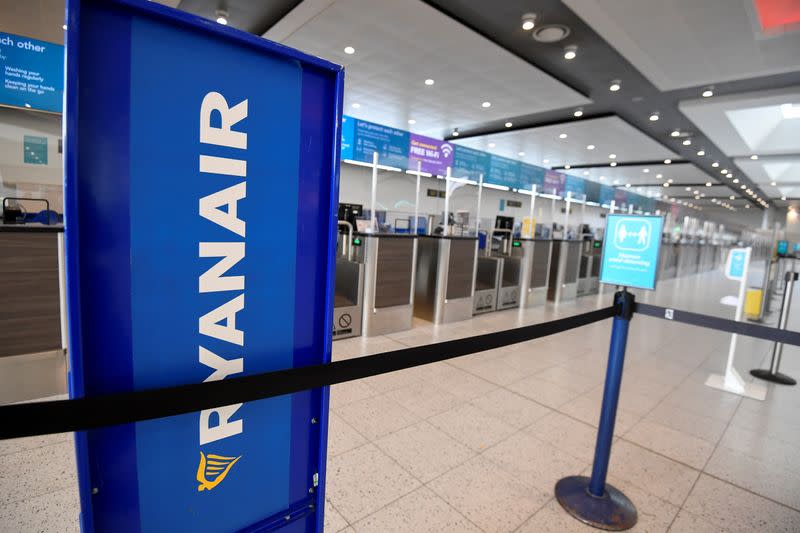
{"x":32,"y":73}
{"x":735,"y":265}
{"x":390,"y":143}
{"x":196,"y":292}
{"x":630,"y":251}
{"x":469,"y":163}
{"x":783,"y":247}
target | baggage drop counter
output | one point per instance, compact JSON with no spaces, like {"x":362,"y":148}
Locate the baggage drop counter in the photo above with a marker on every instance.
{"x":349,"y":287}
{"x":445,"y":278}
{"x":535,"y":271}
{"x":510,"y":251}
{"x":564,"y":264}
{"x":388,"y":282}
{"x":589,"y":270}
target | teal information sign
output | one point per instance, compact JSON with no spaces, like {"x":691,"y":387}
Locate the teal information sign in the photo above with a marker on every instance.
{"x":35,"y":149}
{"x":783,"y":247}
{"x":631,"y":249}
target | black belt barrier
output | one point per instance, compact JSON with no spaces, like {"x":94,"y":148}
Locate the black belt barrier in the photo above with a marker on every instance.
{"x":39,"y":418}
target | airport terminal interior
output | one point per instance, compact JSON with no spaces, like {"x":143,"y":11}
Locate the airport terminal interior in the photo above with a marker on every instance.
{"x":548,"y":246}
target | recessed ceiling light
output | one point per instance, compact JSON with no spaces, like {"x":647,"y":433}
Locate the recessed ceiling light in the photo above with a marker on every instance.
{"x":615,"y":86}
{"x":64,"y":27}
{"x":754,"y":157}
{"x":654,"y":117}
{"x":670,"y":180}
{"x":667,"y":161}
{"x":520,"y":154}
{"x":736,"y":180}
{"x":562,"y":136}
{"x":723,"y":171}
{"x":732,"y":197}
{"x":701,"y":153}
{"x":492,"y":145}
{"x":773,"y":183}
{"x":602,"y":178}
{"x":455,"y":132}
{"x":687,"y":142}
{"x":585,"y":172}
{"x":578,"y":113}
{"x":613,"y":163}
{"x":666,"y":185}
{"x":747,"y":206}
{"x":567,"y":167}
{"x":659,"y":176}
{"x":528,"y":21}
{"x":590,"y":147}
{"x":429,"y":82}
{"x":645,"y":170}
{"x":708,"y":93}
{"x":627,"y":185}
{"x":509,"y":124}
{"x":356,"y":105}
{"x":349,"y":50}
{"x":742,"y":186}
{"x":675,"y":133}
{"x":486,"y":104}
{"x":27,"y":105}
{"x":616,"y":182}
{"x":783,"y":197}
{"x":546,"y":161}
{"x":570,"y":52}
{"x":612,"y":156}
{"x":687,"y":189}
{"x":708,"y":184}
{"x":412,"y":121}
{"x":715,"y":164}
{"x":222,"y":17}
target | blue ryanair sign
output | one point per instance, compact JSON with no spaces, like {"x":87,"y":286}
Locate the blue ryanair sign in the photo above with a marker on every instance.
{"x":177,"y":275}
{"x":631,"y":250}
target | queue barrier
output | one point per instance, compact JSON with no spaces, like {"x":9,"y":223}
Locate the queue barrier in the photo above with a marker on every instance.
{"x":589,"y":499}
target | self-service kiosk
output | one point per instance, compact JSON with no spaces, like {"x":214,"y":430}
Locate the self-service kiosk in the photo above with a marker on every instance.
{"x":349,"y":284}
{"x":445,"y":278}
{"x":589,"y":270}
{"x":564,"y":265}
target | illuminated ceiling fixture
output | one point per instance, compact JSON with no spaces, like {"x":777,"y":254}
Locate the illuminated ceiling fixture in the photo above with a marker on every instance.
{"x":590,"y":147}
{"x":492,"y":145}
{"x":585,"y":172}
{"x":747,"y":206}
{"x":654,"y":116}
{"x":528,"y":21}
{"x":708,"y":184}
{"x":732,"y":197}
{"x":601,"y":177}
{"x":790,"y":111}
{"x":349,"y":50}
{"x":612,"y":156}
{"x":666,"y":185}
{"x":627,"y":185}
{"x":64,"y":27}
{"x":222,"y":17}
{"x":723,"y":171}
{"x":701,"y":153}
{"x":670,"y":180}
{"x":356,"y":105}
{"x":486,"y":104}
{"x":773,"y":183}
{"x":578,"y":113}
{"x":708,"y":92}
{"x":675,"y":133}
{"x":715,"y":164}
{"x":521,"y":154}
{"x":429,"y":82}
{"x":509,"y":124}
{"x":615,"y":86}
{"x":736,"y":180}
{"x":659,"y":176}
{"x":743,"y":186}
{"x":455,"y":133}
{"x":783,"y":198}
{"x":667,"y":161}
{"x":645,"y":170}
{"x":546,"y":161}
{"x":613,"y":163}
{"x":570,"y":52}
{"x":754,"y":157}
{"x":567,"y":167}
{"x":562,"y":136}
{"x":687,"y":142}
{"x":412,"y":121}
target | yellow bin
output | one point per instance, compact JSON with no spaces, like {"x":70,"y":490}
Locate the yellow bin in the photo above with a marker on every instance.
{"x":752,"y":303}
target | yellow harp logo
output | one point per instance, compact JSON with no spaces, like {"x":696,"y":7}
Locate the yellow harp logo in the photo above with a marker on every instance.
{"x":213,"y":469}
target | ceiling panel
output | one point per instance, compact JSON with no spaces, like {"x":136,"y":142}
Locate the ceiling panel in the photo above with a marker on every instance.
{"x":783,"y":171}
{"x":636,"y":175}
{"x":762,"y":123}
{"x":545,"y":147}
{"x":401,"y":43}
{"x":685,"y":43}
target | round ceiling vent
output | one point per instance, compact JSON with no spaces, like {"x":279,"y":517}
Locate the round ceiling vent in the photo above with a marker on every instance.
{"x":551,"y":33}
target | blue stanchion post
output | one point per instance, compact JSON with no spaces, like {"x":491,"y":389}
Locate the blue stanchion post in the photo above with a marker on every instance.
{"x":592,"y":500}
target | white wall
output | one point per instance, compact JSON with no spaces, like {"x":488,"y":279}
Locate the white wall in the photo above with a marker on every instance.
{"x":396,"y":194}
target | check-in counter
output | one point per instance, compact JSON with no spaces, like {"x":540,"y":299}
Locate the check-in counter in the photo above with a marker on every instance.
{"x":511,"y":276}
{"x":564,"y":265}
{"x":388,"y":304}
{"x":589,"y":269}
{"x":487,"y":281}
{"x":445,"y":278}
{"x":349,"y":289}
{"x":535,"y":271}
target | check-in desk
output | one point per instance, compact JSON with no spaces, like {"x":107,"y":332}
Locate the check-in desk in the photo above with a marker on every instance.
{"x":589,"y":270}
{"x":388,"y":304}
{"x":510,"y":251}
{"x":487,"y":281}
{"x":445,"y":278}
{"x":349,"y":289}
{"x":535,"y":271}
{"x":564,"y":263}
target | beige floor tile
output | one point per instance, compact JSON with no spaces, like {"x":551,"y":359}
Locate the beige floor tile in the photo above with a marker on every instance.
{"x":572,"y":436}
{"x":424,"y":399}
{"x":489,"y":497}
{"x":395,"y":380}
{"x":686,"y":522}
{"x":686,"y":449}
{"x":349,"y":392}
{"x":424,"y":451}
{"x":377,"y":416}
{"x":341,"y":436}
{"x":38,"y":471}
{"x":333,"y":520}
{"x":737,"y":510}
{"x":510,"y":407}
{"x":764,"y":478}
{"x":496,"y":371}
{"x":544,"y":392}
{"x":703,"y":427}
{"x":52,"y":512}
{"x":568,"y":379}
{"x":586,"y":408}
{"x":764,"y":447}
{"x":30,"y":443}
{"x":364,"y":480}
{"x":533,"y":461}
{"x":421,"y":511}
{"x":657,"y":475}
{"x":471,"y":426}
{"x":459,"y":383}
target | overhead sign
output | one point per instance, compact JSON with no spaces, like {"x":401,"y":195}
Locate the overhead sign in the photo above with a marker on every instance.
{"x":553,"y":182}
{"x":469,"y":163}
{"x":735,"y":266}
{"x":631,"y":250}
{"x":783,"y":247}
{"x":32,"y":73}
{"x":434,"y":155}
{"x":197,"y":293}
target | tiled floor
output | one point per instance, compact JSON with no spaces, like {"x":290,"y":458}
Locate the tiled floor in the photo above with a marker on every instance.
{"x":477,"y":443}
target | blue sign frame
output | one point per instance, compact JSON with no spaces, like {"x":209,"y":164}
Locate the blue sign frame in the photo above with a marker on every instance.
{"x":631,"y":250}
{"x":169,"y":152}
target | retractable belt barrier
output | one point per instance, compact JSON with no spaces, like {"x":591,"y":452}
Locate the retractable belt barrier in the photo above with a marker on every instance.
{"x":39,"y":418}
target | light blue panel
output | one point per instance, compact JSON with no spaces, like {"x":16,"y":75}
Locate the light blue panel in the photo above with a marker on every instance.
{"x":630,"y":251}
{"x":348,"y":136}
{"x":32,"y":73}
{"x":736,"y":264}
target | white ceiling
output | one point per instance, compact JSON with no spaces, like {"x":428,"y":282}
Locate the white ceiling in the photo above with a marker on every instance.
{"x":686,"y":43}
{"x":610,"y":135}
{"x":784,"y":171}
{"x":636,"y":175}
{"x":401,"y":43}
{"x":749,"y":123}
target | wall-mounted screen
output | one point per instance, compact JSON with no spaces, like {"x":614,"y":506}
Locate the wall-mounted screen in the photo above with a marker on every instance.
{"x":33,"y":73}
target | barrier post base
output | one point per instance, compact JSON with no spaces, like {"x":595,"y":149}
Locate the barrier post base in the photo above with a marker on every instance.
{"x":734,"y":384}
{"x":613,"y":511}
{"x":777,"y":377}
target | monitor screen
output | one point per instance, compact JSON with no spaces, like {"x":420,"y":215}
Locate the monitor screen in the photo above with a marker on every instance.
{"x":33,"y":73}
{"x":783,"y":247}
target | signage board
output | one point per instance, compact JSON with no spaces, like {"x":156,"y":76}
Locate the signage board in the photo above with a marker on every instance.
{"x":553,"y":183}
{"x":348,"y":137}
{"x":783,"y":247}
{"x":631,"y":250}
{"x":32,"y":73}
{"x":735,"y":266}
{"x":503,"y":171}
{"x":390,"y":143}
{"x":435,"y":155}
{"x":531,"y":175}
{"x":469,"y":163}
{"x":196,"y":292}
